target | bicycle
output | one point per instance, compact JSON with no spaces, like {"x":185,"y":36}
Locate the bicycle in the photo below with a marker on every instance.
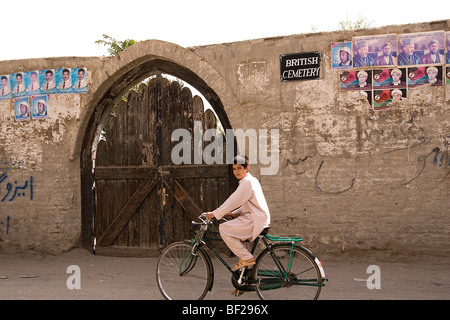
{"x":283,"y":270}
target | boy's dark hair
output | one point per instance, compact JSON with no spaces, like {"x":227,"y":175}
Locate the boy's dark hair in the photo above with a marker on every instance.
{"x":241,"y":160}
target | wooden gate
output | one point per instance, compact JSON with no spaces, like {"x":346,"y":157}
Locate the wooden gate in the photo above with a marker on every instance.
{"x":143,"y":201}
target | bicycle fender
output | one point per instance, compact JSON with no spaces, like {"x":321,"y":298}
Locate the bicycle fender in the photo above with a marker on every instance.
{"x":316,"y":261}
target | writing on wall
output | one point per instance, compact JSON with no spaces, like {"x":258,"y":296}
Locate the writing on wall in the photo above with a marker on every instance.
{"x":4,"y":224}
{"x":12,"y":189}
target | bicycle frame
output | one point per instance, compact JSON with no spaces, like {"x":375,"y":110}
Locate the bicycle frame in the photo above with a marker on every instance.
{"x":203,"y":238}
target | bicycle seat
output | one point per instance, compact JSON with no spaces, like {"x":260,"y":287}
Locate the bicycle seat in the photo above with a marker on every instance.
{"x":265,"y":231}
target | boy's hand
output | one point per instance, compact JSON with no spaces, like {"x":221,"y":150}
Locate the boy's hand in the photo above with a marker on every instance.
{"x":209,"y":215}
{"x":231,"y":216}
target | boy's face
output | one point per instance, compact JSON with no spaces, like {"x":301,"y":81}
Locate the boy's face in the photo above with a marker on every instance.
{"x":396,"y":76}
{"x":431,"y":74}
{"x":239,"y":171}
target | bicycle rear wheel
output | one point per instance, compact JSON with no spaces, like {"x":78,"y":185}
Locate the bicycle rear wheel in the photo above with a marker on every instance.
{"x":182,"y":275}
{"x":298,"y":279}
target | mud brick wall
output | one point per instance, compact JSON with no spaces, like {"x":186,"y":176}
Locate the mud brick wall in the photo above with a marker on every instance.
{"x":351,"y":179}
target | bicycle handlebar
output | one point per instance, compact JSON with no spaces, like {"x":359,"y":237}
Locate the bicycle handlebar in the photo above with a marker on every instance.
{"x":204,"y":221}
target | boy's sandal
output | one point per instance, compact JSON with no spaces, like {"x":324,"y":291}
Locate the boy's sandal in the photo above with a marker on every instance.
{"x":237,"y":293}
{"x":242,"y":264}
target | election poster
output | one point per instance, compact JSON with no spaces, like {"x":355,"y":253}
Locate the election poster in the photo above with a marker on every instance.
{"x":39,"y":107}
{"x":21,"y":109}
{"x":421,"y":48}
{"x":356,"y":80}
{"x":5,"y":89}
{"x":389,"y":78}
{"x":386,"y":98}
{"x":79,"y":80}
{"x":422,"y":75}
{"x":341,"y":55}
{"x":48,"y":81}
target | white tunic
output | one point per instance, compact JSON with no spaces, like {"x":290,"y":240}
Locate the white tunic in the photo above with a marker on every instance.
{"x":249,"y":198}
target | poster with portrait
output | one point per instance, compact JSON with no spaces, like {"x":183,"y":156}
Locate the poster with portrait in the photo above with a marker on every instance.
{"x":389,"y":78}
{"x":21,"y":109}
{"x":421,"y":48}
{"x":32,"y":83}
{"x":48,"y":81}
{"x":432,"y":48}
{"x":17,"y":82}
{"x":381,"y":49}
{"x":341,"y":55}
{"x":386,"y":98}
{"x":63,"y":80}
{"x":79,"y":80}
{"x":5,"y":89}
{"x":39,"y":107}
{"x":422,"y":75}
{"x":356,"y":80}
{"x":361,"y":57}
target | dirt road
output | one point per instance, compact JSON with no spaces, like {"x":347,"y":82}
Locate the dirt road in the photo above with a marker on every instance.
{"x":34,"y":277}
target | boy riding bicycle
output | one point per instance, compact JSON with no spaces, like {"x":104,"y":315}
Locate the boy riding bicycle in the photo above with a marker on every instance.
{"x":248,"y":208}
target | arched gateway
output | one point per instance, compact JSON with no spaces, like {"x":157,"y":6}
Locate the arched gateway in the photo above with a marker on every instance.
{"x":134,"y":199}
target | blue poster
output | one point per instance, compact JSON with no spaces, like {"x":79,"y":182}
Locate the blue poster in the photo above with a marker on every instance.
{"x":79,"y":80}
{"x":39,"y":107}
{"x":32,"y":83}
{"x":17,"y":85}
{"x":21,"y":109}
{"x":47,"y":80}
{"x":5,"y":91}
{"x":63,"y":81}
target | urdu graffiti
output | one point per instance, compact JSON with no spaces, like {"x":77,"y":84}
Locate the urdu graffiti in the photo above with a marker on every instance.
{"x":10,"y":191}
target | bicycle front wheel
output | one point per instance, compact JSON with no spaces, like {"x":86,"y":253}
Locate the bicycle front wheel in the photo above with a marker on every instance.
{"x":182,"y":275}
{"x":289,"y":274}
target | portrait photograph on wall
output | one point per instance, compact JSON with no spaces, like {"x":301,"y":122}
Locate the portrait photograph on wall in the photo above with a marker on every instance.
{"x":383,"y":99}
{"x":21,"y":109}
{"x":63,"y":80}
{"x":17,"y":82}
{"x":379,"y":50}
{"x":341,"y":55}
{"x":389,"y":78}
{"x":5,"y":91}
{"x":421,"y":48}
{"x":47,"y":80}
{"x":79,"y":80}
{"x":356,"y":80}
{"x":422,"y":75}
{"x":39,"y":106}
{"x":32,"y":83}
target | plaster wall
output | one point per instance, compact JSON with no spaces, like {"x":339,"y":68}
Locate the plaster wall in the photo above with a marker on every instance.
{"x":350,"y":179}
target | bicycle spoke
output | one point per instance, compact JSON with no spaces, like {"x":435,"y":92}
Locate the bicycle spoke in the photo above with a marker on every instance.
{"x":301,"y":282}
{"x":193,"y":280}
